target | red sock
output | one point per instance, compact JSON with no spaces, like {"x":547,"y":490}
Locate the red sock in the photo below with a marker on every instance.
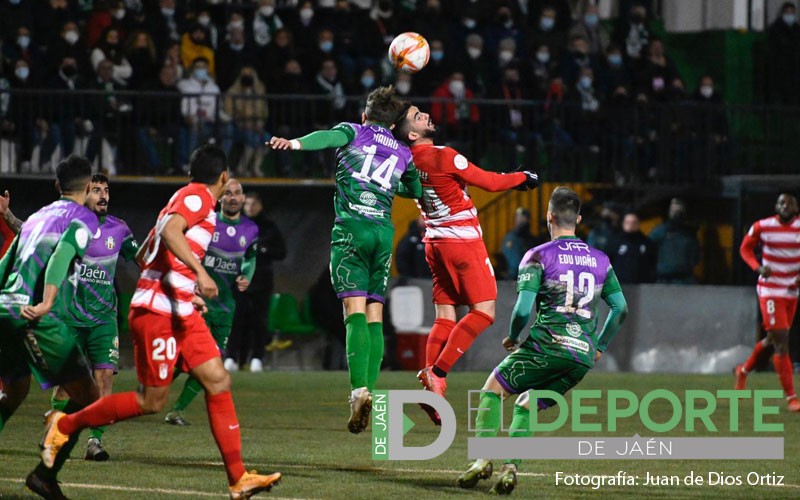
{"x":463,"y":335}
{"x":753,"y":359}
{"x":437,"y":338}
{"x":783,"y":365}
{"x":104,"y":411}
{"x":225,"y":428}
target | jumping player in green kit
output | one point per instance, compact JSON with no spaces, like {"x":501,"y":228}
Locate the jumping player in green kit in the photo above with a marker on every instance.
{"x":231,"y":262}
{"x":371,"y":166}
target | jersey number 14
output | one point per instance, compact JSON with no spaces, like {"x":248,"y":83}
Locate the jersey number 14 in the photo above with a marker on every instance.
{"x":383,"y":174}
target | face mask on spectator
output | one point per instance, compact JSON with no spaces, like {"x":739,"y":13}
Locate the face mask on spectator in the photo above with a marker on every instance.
{"x":474,"y":52}
{"x":71,"y":37}
{"x":457,"y":88}
{"x":23,"y":41}
{"x":326,"y":46}
{"x":437,"y":55}
{"x":547,"y":23}
{"x":403,"y":87}
{"x":508,"y":24}
{"x":505,"y":56}
{"x":167,"y":11}
{"x":70,"y":71}
{"x":22,"y":72}
{"x":543,"y":57}
{"x":118,"y":14}
{"x":235,"y":25}
{"x":585,"y":82}
{"x":789,"y":19}
{"x":327,"y":4}
{"x":266,"y":10}
{"x":615,"y":59}
{"x":306,"y":14}
{"x":707,"y":91}
{"x":237,"y":46}
{"x":201,"y":74}
{"x":204,"y":20}
{"x":367,"y":81}
{"x":470,"y":23}
{"x":14,"y":2}
{"x":247,"y":80}
{"x":591,"y":20}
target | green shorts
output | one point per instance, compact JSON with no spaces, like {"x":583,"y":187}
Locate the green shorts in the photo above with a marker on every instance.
{"x":220,"y":325}
{"x":99,"y":343}
{"x":361,"y":259}
{"x":47,"y":350}
{"x":526,"y":369}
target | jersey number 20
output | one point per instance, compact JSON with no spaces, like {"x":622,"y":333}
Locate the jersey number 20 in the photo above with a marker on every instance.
{"x":383,"y":174}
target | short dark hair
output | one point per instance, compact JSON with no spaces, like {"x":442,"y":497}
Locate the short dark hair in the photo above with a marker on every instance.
{"x":384,"y":107}
{"x":254,"y":195}
{"x":73,"y":173}
{"x":100,"y":178}
{"x":565,"y":206}
{"x":402,"y":125}
{"x":200,"y":59}
{"x":207,"y":164}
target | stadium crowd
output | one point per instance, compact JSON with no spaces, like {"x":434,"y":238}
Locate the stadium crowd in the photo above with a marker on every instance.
{"x":201,"y":69}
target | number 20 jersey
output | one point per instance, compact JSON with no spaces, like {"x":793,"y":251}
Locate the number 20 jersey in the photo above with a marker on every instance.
{"x":573,"y":280}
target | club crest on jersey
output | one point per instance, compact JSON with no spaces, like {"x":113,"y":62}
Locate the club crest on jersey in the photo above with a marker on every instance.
{"x":242,"y":241}
{"x":110,"y":243}
{"x":574,"y":329}
{"x":231,"y":231}
{"x":368,"y":199}
{"x":573,"y":245}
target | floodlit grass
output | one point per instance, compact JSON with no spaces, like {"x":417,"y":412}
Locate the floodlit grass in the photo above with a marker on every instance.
{"x":295,"y":422}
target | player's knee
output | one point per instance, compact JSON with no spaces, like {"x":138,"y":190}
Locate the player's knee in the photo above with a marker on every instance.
{"x":152,"y":400}
{"x":487,"y":309}
{"x":219,"y":381}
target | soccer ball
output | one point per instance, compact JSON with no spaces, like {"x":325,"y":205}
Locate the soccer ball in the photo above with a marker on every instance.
{"x":409,"y":52}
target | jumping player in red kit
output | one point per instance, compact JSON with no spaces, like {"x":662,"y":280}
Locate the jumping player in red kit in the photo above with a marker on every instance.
{"x":454,"y":247}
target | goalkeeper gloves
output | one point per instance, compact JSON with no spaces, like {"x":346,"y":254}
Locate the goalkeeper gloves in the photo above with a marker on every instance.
{"x":531,"y":181}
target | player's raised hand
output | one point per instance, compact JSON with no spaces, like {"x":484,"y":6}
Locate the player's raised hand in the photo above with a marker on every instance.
{"x":509,"y":344}
{"x":206,"y":285}
{"x":531,"y":180}
{"x":242,"y":283}
{"x":5,"y":201}
{"x":280,"y":143}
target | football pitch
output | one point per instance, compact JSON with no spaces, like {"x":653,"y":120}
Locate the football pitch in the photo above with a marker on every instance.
{"x":295,"y":422}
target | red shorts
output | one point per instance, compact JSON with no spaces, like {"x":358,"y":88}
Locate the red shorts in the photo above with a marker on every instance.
{"x":162,"y":342}
{"x":777,"y":312}
{"x":462,"y":273}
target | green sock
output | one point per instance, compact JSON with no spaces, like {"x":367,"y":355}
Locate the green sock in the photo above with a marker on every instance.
{"x":520,"y":427}
{"x":58,"y":404}
{"x":375,"y":353}
{"x":357,"y":347}
{"x":191,"y":388}
{"x":97,"y":432}
{"x":487,"y":422}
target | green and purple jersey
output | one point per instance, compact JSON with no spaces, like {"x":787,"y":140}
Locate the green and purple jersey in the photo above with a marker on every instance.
{"x":369,"y":170}
{"x":569,"y":278}
{"x":230,"y":254}
{"x":22,"y":270}
{"x":89,"y":298}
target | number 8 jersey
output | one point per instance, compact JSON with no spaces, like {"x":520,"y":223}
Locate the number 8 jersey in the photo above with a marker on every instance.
{"x":570,"y":278}
{"x":369,"y":171}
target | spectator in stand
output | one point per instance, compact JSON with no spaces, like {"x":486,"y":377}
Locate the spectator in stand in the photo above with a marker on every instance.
{"x":106,"y":111}
{"x":503,"y":26}
{"x":518,"y":241}
{"x":327,"y":83}
{"x":246,"y":104}
{"x":584,"y":124}
{"x":633,"y":255}
{"x":67,"y":44}
{"x":545,"y":33}
{"x":110,"y":49}
{"x":120,"y":18}
{"x":156,"y":118}
{"x":563,"y":12}
{"x":410,"y":251}
{"x":29,"y":125}
{"x":49,"y":17}
{"x":325,"y":49}
{"x":274,"y":56}
{"x":233,"y":54}
{"x":472,"y":21}
{"x":656,"y":74}
{"x":710,"y":123}
{"x":23,"y":48}
{"x":265,"y":23}
{"x":99,"y":21}
{"x":172,"y":57}
{"x":437,"y":70}
{"x":538,"y":71}
{"x":512,"y":119}
{"x":305,"y":27}
{"x":202,"y":119}
{"x":575,"y":60}
{"x":613,"y":71}
{"x":404,"y":86}
{"x":367,"y":83}
{"x":451,"y":112}
{"x":783,"y":56}
{"x":70,"y":106}
{"x":194,"y":44}
{"x":164,"y":24}
{"x":136,"y":20}
{"x":344,"y":24}
{"x":633,"y":33}
{"x":13,"y":14}
{"x":204,"y":20}
{"x":292,"y":80}
{"x":377,"y":32}
{"x":475,"y":64}
{"x":431,"y":21}
{"x":507,"y":55}
{"x":590,"y":29}
{"x":140,"y":51}
{"x":604,"y":236}
{"x":678,"y":247}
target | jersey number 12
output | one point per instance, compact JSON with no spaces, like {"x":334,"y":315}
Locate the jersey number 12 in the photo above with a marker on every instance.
{"x":585,"y":286}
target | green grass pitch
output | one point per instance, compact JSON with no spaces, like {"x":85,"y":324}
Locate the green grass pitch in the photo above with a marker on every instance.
{"x":295,"y":422}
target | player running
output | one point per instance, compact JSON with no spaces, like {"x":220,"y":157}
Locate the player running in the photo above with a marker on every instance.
{"x":32,"y":339}
{"x":778,"y":280}
{"x":371,"y":164}
{"x":454,"y":247}
{"x":565,"y":278}
{"x":168,"y":330}
{"x":231,"y":261}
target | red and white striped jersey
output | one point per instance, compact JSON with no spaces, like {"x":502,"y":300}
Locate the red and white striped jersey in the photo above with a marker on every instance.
{"x":167,"y":285}
{"x":445,"y":205}
{"x":780,"y":250}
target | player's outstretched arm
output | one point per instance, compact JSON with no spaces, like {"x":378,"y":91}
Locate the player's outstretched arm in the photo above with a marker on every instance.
{"x":173,"y":235}
{"x":11,"y":221}
{"x":613,"y":296}
{"x":337,"y":137}
{"x":493,"y":182}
